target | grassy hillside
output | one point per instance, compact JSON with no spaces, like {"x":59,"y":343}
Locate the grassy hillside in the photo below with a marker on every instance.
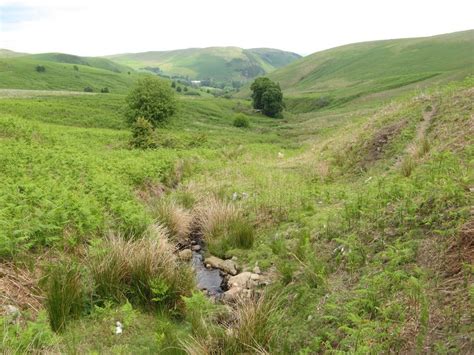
{"x":349,"y":72}
{"x":6,"y":53}
{"x":20,"y":73}
{"x":217,"y":63}
{"x":95,"y":62}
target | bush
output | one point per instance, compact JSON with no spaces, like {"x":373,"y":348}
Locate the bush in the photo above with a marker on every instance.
{"x":65,"y":295}
{"x":142,"y":134}
{"x":75,"y":67}
{"x":88,"y":89}
{"x":104,"y":90}
{"x":408,"y":164}
{"x":178,"y":89}
{"x":144,"y":270}
{"x":40,"y":69}
{"x":152,"y":99}
{"x":241,"y":121}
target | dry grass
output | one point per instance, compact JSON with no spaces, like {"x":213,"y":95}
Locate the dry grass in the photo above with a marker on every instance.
{"x":213,"y":216}
{"x":250,"y":330}
{"x":129,"y":268}
{"x":175,"y":218}
{"x":18,"y":287}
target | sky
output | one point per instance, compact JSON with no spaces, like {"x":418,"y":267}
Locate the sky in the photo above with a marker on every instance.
{"x":97,"y":27}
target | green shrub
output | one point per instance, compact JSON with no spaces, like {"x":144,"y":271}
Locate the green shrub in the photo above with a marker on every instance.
{"x":88,"y":89}
{"x":152,"y":99}
{"x":142,"y":134}
{"x":241,"y":121}
{"x":65,"y":295}
{"x":241,"y":233}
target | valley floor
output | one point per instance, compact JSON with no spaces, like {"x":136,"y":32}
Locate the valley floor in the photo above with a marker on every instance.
{"x":361,"y":217}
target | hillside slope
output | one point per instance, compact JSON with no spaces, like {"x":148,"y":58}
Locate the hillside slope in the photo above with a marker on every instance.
{"x":6,"y":53}
{"x":101,"y":63}
{"x":20,"y":73}
{"x":217,"y":63}
{"x":355,"y":70}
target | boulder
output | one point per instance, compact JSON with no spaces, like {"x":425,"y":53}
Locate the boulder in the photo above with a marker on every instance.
{"x":227,"y":266}
{"x":196,"y":247}
{"x":185,"y":255}
{"x":244,"y":280}
{"x":232,"y":294}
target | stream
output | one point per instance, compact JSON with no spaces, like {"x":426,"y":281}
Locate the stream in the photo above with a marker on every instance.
{"x":209,"y":279}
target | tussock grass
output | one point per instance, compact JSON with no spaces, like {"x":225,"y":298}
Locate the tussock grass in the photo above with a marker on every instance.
{"x":65,"y":295}
{"x":408,"y":164}
{"x":223,"y":226}
{"x":252,"y":329}
{"x":144,"y":270}
{"x":175,"y":218}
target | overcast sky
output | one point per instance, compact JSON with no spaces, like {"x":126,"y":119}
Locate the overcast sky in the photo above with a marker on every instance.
{"x":95,"y":27}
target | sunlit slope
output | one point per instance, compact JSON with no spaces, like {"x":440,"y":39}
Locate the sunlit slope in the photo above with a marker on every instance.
{"x":351,"y":71}
{"x":218,"y":63}
{"x":21,"y":73}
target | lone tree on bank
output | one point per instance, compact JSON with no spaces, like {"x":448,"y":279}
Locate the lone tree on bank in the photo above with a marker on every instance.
{"x":151,"y":99}
{"x":267,"y":96}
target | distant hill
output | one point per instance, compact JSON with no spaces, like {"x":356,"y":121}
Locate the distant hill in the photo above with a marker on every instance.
{"x":222,"y":64}
{"x":64,"y":72}
{"x":95,"y":62}
{"x":356,"y":70}
{"x":6,"y":53}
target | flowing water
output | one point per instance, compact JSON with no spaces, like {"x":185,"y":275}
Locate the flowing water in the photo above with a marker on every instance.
{"x":207,"y":279}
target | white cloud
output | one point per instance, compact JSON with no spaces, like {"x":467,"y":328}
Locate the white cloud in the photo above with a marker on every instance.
{"x":93,"y":27}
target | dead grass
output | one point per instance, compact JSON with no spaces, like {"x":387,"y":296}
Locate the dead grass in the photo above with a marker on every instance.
{"x":128,"y":268}
{"x":175,"y":218}
{"x":213,"y":216}
{"x":19,"y":287}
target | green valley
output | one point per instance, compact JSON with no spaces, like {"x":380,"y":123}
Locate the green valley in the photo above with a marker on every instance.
{"x":345,"y":225}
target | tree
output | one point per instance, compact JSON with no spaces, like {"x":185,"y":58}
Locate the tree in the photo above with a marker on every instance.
{"x":173,"y":84}
{"x":178,"y":89}
{"x":267,"y":96}
{"x":272,"y":101}
{"x":185,"y":89}
{"x":152,"y":99}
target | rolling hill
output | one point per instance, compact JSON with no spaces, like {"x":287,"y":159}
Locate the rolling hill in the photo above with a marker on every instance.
{"x":6,"y":53}
{"x":352,"y":71}
{"x":64,"y":72}
{"x":221,"y":64}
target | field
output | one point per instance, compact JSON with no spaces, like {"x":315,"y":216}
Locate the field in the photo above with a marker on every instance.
{"x":359,"y":215}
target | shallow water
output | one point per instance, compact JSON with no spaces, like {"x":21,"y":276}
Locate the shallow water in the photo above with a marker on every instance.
{"x":207,"y":279}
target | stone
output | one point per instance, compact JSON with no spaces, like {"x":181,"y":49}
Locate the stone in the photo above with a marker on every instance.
{"x":232,"y":294}
{"x":196,"y":247}
{"x":185,"y":255}
{"x":243,"y":280}
{"x":256,"y":270}
{"x":255,"y":277}
{"x":11,"y":311}
{"x":227,"y":266}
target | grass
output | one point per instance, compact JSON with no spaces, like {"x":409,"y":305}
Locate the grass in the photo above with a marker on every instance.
{"x":360,"y":256}
{"x":143,"y":270}
{"x":65,"y":295}
{"x":352,"y":72}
